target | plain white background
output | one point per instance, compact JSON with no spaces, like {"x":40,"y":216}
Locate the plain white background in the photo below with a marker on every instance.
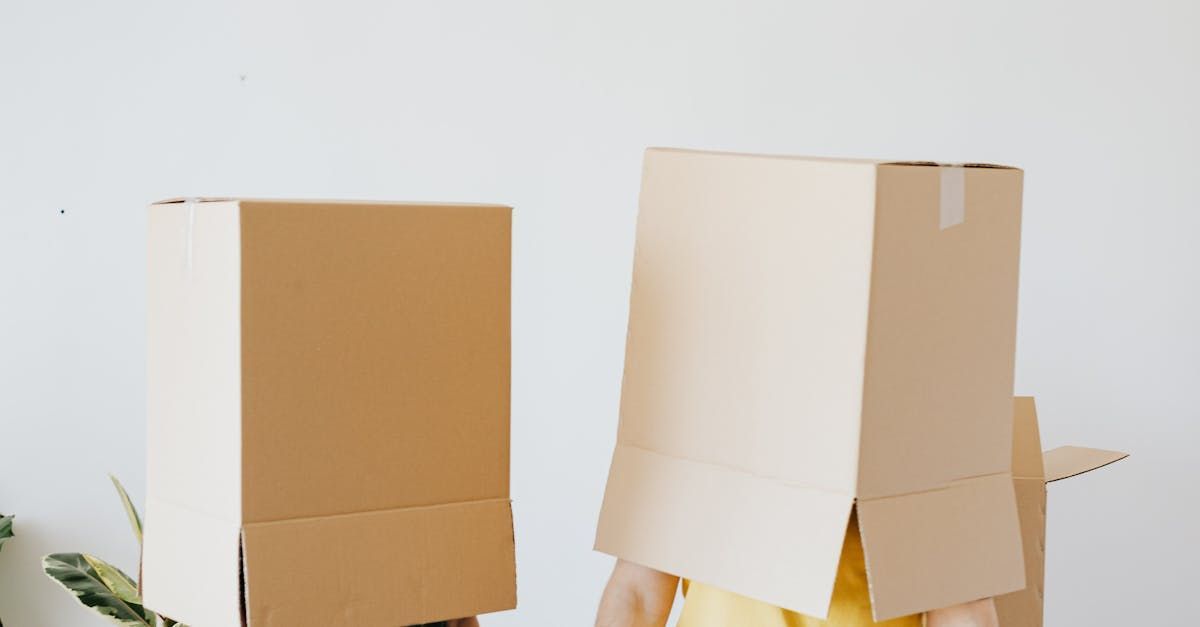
{"x":106,"y":106}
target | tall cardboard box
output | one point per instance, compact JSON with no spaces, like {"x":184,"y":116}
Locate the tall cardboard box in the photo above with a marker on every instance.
{"x":328,"y":409}
{"x":811,"y":336}
{"x":1032,"y":470}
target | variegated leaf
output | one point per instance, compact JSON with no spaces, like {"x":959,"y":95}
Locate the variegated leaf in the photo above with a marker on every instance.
{"x":75,"y":572}
{"x":6,"y":531}
{"x":117,"y":581}
{"x":135,"y":521}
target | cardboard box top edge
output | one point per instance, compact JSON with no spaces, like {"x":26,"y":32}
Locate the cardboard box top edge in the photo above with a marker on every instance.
{"x":324,"y":201}
{"x":833,"y":160}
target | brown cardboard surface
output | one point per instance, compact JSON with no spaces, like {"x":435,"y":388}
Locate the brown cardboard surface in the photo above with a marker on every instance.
{"x":941,"y":340}
{"x":1067,"y":461}
{"x":1023,"y":608}
{"x":804,"y":333}
{"x":959,"y":536}
{"x":428,"y":337}
{"x":330,"y":380}
{"x":344,"y":570}
{"x":1032,"y":470}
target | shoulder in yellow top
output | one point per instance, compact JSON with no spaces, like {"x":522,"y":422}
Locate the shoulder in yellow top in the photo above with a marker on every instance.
{"x":706,"y":606}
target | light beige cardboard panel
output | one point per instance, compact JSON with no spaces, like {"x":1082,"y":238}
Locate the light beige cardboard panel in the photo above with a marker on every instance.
{"x":193,"y":404}
{"x":193,"y":358}
{"x":747,"y":320}
{"x":938,"y":548}
{"x":803,"y":332}
{"x":724,"y":527}
{"x":190,"y":569}
{"x":1067,"y":461}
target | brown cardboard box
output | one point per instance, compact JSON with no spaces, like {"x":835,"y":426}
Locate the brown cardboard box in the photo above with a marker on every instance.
{"x":1032,"y":470}
{"x":807,"y":336}
{"x":328,"y":408}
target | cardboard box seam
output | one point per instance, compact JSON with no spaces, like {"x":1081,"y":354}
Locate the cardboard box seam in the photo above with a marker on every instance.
{"x":802,"y":486}
{"x":379,"y":512}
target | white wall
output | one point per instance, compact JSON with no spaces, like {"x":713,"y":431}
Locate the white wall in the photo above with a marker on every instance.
{"x":547,"y":105}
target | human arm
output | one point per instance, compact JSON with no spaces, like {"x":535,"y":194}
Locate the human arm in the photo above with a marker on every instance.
{"x":981,"y":613}
{"x":636,"y":596}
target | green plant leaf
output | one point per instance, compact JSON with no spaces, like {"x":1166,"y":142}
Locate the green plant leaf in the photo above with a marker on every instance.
{"x":121,"y":584}
{"x":75,"y":572}
{"x":6,"y":532}
{"x":135,"y":521}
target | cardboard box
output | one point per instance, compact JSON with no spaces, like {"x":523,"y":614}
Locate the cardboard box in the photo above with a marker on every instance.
{"x":807,"y":336}
{"x":328,"y":409}
{"x":1032,"y":470}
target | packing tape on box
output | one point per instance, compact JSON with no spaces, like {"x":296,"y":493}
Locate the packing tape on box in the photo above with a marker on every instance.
{"x":952,"y":207}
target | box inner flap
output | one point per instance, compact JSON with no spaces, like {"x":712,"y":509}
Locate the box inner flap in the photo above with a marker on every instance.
{"x":190,"y":565}
{"x":1067,"y":461}
{"x":392,"y":567}
{"x":1027,"y":442}
{"x":942,"y":547}
{"x":1023,"y":608}
{"x":745,"y":533}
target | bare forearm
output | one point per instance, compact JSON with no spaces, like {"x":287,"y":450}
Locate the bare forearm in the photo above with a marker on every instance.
{"x":636,"y":596}
{"x":980,"y":613}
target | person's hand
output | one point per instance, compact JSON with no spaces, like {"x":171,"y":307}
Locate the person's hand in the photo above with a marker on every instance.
{"x":636,"y":596}
{"x":981,"y":613}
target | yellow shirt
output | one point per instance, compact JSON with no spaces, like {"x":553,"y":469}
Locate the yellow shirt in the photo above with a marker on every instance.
{"x":706,"y":606}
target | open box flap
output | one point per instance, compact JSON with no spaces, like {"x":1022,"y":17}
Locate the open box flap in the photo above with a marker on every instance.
{"x":1067,"y":461}
{"x":760,"y":537}
{"x":942,"y":547}
{"x":396,"y":567}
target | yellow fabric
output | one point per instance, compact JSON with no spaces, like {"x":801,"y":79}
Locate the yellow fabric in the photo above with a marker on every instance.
{"x":706,"y":606}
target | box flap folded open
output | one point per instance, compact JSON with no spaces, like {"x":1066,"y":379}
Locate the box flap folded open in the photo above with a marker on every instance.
{"x":728,"y":528}
{"x":425,"y":563}
{"x":1067,"y":461}
{"x":1032,"y":469}
{"x":958,"y":537}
